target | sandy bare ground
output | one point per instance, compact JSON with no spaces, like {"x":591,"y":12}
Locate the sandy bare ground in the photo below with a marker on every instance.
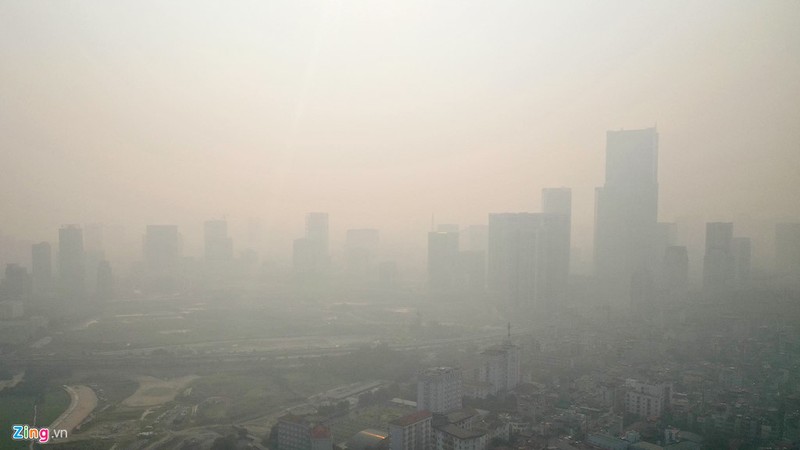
{"x":154,"y":391}
{"x":82,"y":402}
{"x":12,"y":382}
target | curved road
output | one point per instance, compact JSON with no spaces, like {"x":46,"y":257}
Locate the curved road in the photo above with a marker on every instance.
{"x":82,"y":403}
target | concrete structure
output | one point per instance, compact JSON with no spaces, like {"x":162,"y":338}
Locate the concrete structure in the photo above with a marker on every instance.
{"x":42,"y":267}
{"x":321,"y":438}
{"x":499,"y":367}
{"x":310,"y":254}
{"x":298,"y":433}
{"x":443,"y":260}
{"x":451,"y":437}
{"x":718,"y":262}
{"x":17,"y":284}
{"x":411,"y":432}
{"x":626,"y":211}
{"x":515,"y":265}
{"x":368,"y":439}
{"x":648,"y":400}
{"x":218,"y":245}
{"x":439,"y":389}
{"x":557,"y":207}
{"x":71,"y":270}
{"x":477,"y":389}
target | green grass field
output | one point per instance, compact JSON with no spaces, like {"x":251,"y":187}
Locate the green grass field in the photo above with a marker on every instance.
{"x":18,"y":409}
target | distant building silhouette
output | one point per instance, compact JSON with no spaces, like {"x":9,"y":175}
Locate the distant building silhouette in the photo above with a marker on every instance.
{"x":42,"y":267}
{"x":556,"y":245}
{"x":443,"y":260}
{"x":515,"y":266}
{"x":71,"y":262}
{"x":718,"y":262}
{"x":318,"y":232}
{"x":218,"y":246}
{"x":311,"y":259}
{"x":626,"y":211}
{"x":94,"y":251}
{"x":162,"y":256}
{"x":16,"y":285}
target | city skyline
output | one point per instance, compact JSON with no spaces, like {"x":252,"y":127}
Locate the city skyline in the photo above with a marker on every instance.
{"x":400,"y":225}
{"x":281,"y":127}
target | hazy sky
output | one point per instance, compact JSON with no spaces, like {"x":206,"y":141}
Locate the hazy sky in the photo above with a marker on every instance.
{"x":382,"y":113}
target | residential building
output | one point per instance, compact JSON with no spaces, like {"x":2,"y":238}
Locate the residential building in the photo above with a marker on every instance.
{"x":411,"y":432}
{"x":647,"y":399}
{"x":439,"y":389}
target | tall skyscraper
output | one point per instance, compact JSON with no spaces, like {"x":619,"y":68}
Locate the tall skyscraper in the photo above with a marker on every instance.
{"x":218,"y":246}
{"x":311,"y":259}
{"x":94,"y":251}
{"x":718,"y":263}
{"x":556,"y":245}
{"x":626,"y":211}
{"x":71,"y":269}
{"x":317,"y":231}
{"x":443,"y":260}
{"x":515,"y":265}
{"x":42,"y":267}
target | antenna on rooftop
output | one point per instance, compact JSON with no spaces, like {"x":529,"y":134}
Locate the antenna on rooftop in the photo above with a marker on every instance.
{"x":509,"y":330}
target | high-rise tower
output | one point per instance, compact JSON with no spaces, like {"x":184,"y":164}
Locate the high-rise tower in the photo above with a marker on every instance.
{"x":626,"y":211}
{"x":556,"y":245}
{"x":71,"y":270}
